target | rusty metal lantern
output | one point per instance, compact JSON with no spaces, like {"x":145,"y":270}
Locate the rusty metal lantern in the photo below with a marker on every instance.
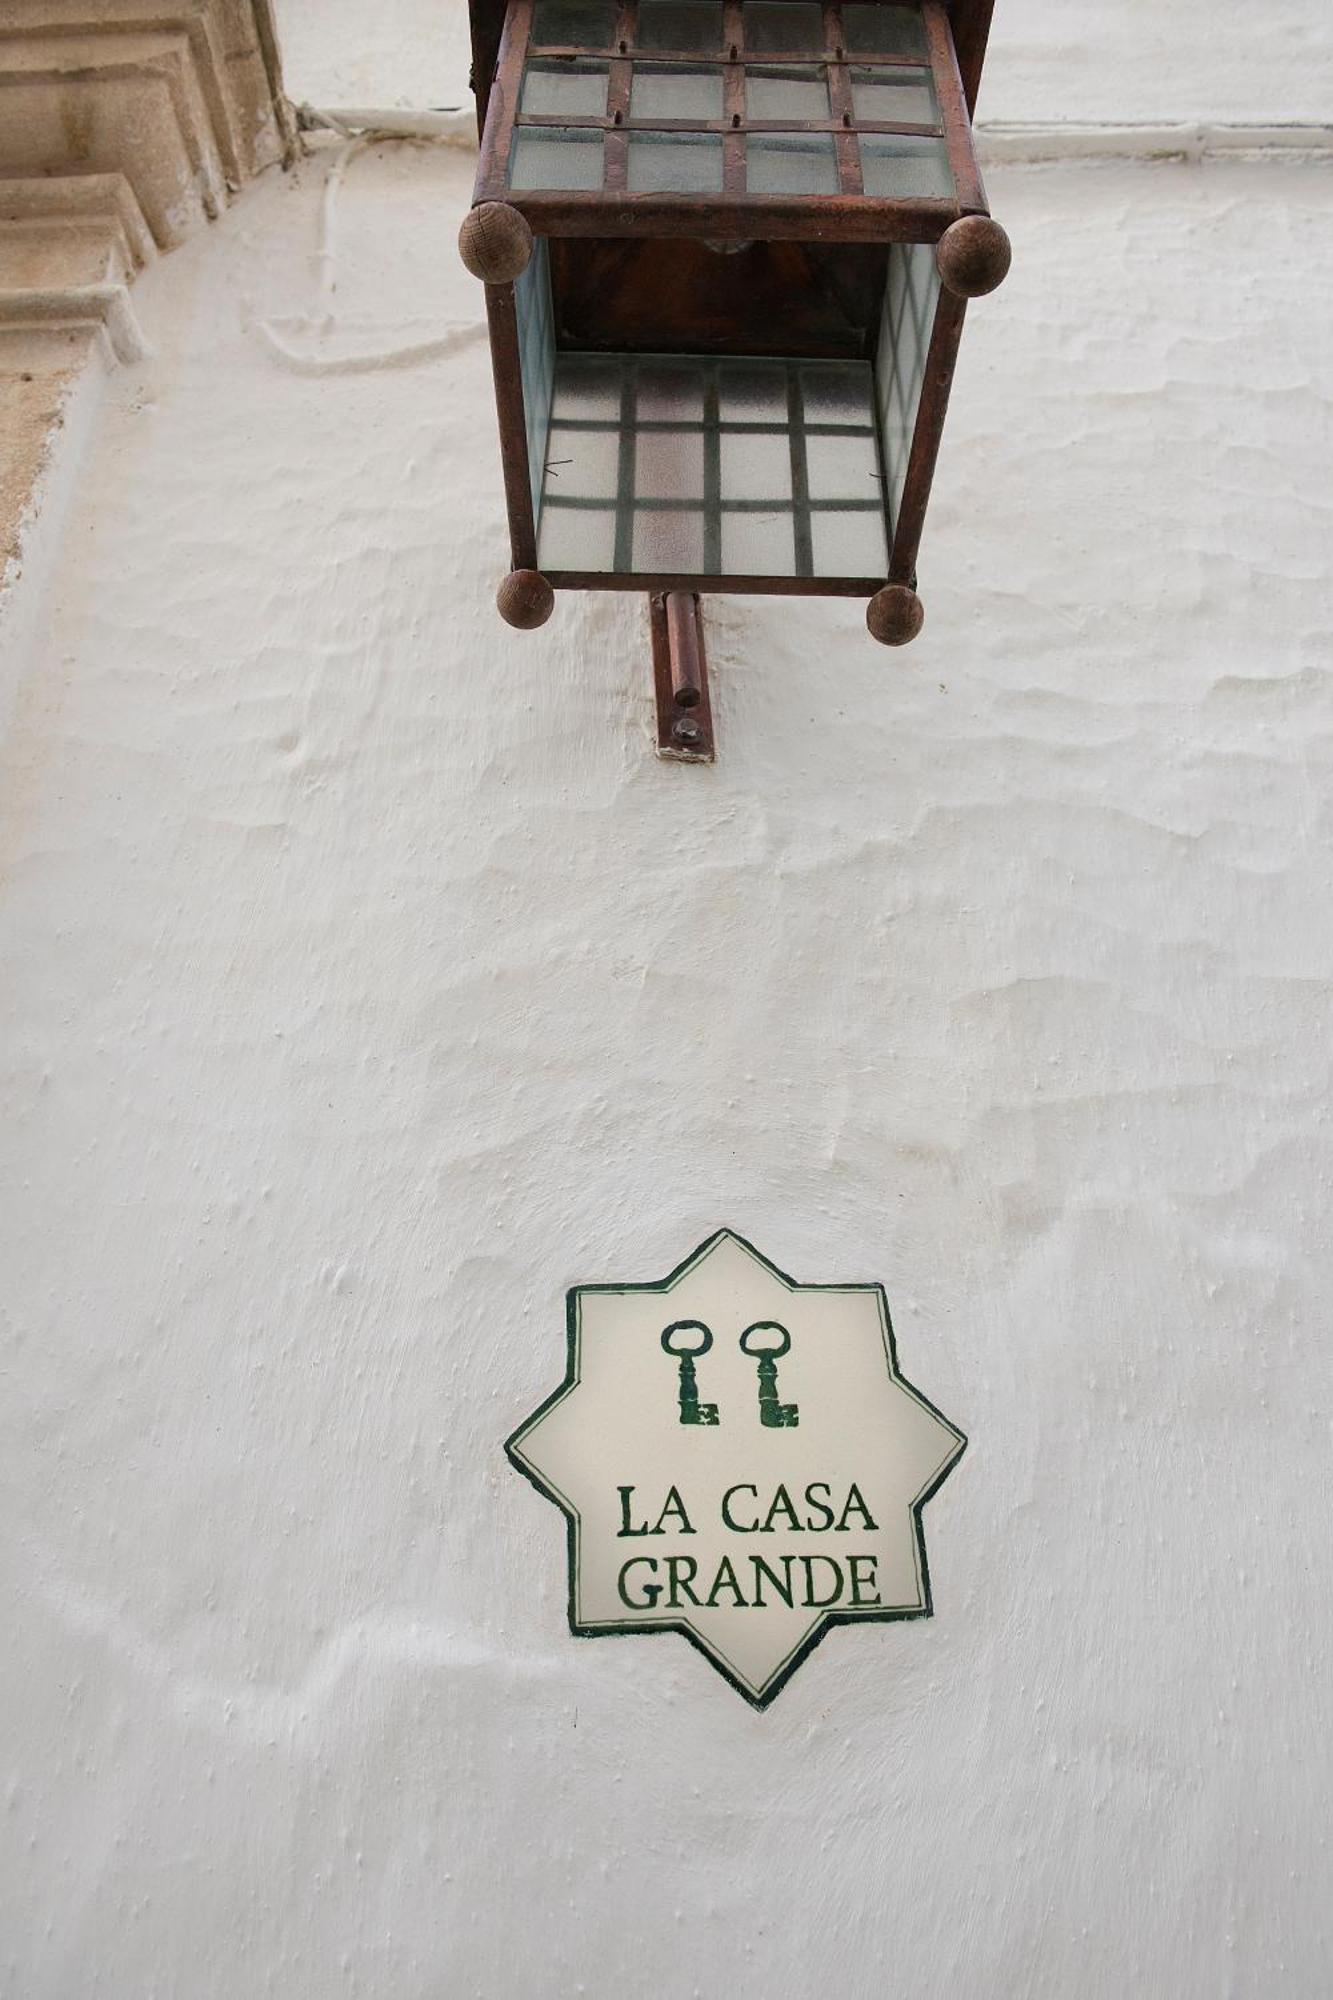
{"x":728,"y":247}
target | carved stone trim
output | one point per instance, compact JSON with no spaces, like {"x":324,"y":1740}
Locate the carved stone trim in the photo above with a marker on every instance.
{"x":183,"y":99}
{"x":123,"y":125}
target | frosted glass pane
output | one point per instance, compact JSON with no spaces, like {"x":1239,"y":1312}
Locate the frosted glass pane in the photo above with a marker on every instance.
{"x":536,"y":355}
{"x":843,"y":468}
{"x":587,"y":389}
{"x":679,"y":24}
{"x":553,"y":157}
{"x":663,"y":92}
{"x":582,"y":465}
{"x":675,"y":163}
{"x":836,"y":392}
{"x":896,"y":168}
{"x":896,"y":97}
{"x":791,"y":163}
{"x":909,"y":309}
{"x":752,"y":392}
{"x":774,"y":26}
{"x":584,"y":24}
{"x":849,"y":544}
{"x":695,"y":494}
{"x":669,"y":391}
{"x":669,"y":465}
{"x":883,"y":31}
{"x":577,"y":538}
{"x":668,"y":540}
{"x":565,"y":89}
{"x":756,"y":467}
{"x":786,"y":93}
{"x":758,"y":545}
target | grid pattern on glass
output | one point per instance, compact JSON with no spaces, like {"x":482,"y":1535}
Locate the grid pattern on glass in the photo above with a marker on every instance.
{"x":910,"y":299}
{"x":692,"y":465}
{"x":810,"y":70}
{"x":536,"y":357}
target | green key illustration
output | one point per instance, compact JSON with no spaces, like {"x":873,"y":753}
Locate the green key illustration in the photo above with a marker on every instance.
{"x":768,"y":1350}
{"x":683,"y":1339}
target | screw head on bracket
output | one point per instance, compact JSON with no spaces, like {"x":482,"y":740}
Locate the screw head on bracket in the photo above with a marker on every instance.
{"x":525,"y":599}
{"x":495,"y":243}
{"x":973,"y":256}
{"x":895,"y":615}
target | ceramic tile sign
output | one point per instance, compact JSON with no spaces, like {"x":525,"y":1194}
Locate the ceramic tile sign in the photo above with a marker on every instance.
{"x":740,"y":1461}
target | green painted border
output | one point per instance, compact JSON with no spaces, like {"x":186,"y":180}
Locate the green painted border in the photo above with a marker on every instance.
{"x":782,"y":1674}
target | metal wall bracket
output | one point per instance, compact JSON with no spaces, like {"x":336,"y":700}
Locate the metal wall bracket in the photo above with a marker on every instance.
{"x":680,"y":675}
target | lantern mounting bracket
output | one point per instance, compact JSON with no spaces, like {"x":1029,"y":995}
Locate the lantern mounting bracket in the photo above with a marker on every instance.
{"x":680,"y":678}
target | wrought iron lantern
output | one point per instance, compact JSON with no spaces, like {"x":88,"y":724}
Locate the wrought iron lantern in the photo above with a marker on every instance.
{"x":727,"y":246}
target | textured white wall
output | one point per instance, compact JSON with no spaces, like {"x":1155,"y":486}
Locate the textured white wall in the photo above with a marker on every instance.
{"x":367,"y":981}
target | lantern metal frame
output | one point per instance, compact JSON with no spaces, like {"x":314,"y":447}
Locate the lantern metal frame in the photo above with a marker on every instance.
{"x":955,"y":45}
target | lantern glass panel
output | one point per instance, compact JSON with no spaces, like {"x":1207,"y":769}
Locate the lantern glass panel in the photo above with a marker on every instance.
{"x":587,"y":390}
{"x":669,"y":392}
{"x":690,"y":465}
{"x":584,"y":24}
{"x":578,"y":538}
{"x":671,"y":91}
{"x":565,"y":89}
{"x":870,"y":30}
{"x":897,"y":167}
{"x":536,"y":355}
{"x":555,"y":156}
{"x":910,"y":298}
{"x":675,"y":163}
{"x":839,"y":465}
{"x":894,"y":97}
{"x":757,"y":466}
{"x":786,"y":93}
{"x":772,"y":27}
{"x":753,"y":393}
{"x":791,"y":163}
{"x":680,"y":25}
{"x":668,"y":538}
{"x":758,"y":544}
{"x":582,"y":466}
{"x":847,"y":543}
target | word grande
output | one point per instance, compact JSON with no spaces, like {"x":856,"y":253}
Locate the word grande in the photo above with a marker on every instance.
{"x":813,"y":1582}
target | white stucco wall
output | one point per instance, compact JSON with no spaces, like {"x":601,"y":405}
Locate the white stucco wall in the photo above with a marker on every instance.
{"x":367,"y":982}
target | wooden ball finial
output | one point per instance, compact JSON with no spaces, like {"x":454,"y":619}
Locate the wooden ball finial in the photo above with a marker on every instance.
{"x":895,"y":615}
{"x":525,"y":599}
{"x":495,"y":242}
{"x":973,"y":256}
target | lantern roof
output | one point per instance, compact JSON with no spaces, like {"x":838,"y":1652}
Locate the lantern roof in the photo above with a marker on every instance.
{"x":970,"y":18}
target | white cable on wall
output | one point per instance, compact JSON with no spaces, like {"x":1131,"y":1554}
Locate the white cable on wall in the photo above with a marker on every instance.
{"x":361,"y":128}
{"x":1040,"y":144}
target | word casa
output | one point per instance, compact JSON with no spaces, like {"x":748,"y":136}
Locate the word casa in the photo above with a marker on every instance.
{"x":810,"y":1582}
{"x":743,"y":1515}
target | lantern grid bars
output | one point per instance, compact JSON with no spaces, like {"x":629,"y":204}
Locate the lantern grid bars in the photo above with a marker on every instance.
{"x":727,"y":254}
